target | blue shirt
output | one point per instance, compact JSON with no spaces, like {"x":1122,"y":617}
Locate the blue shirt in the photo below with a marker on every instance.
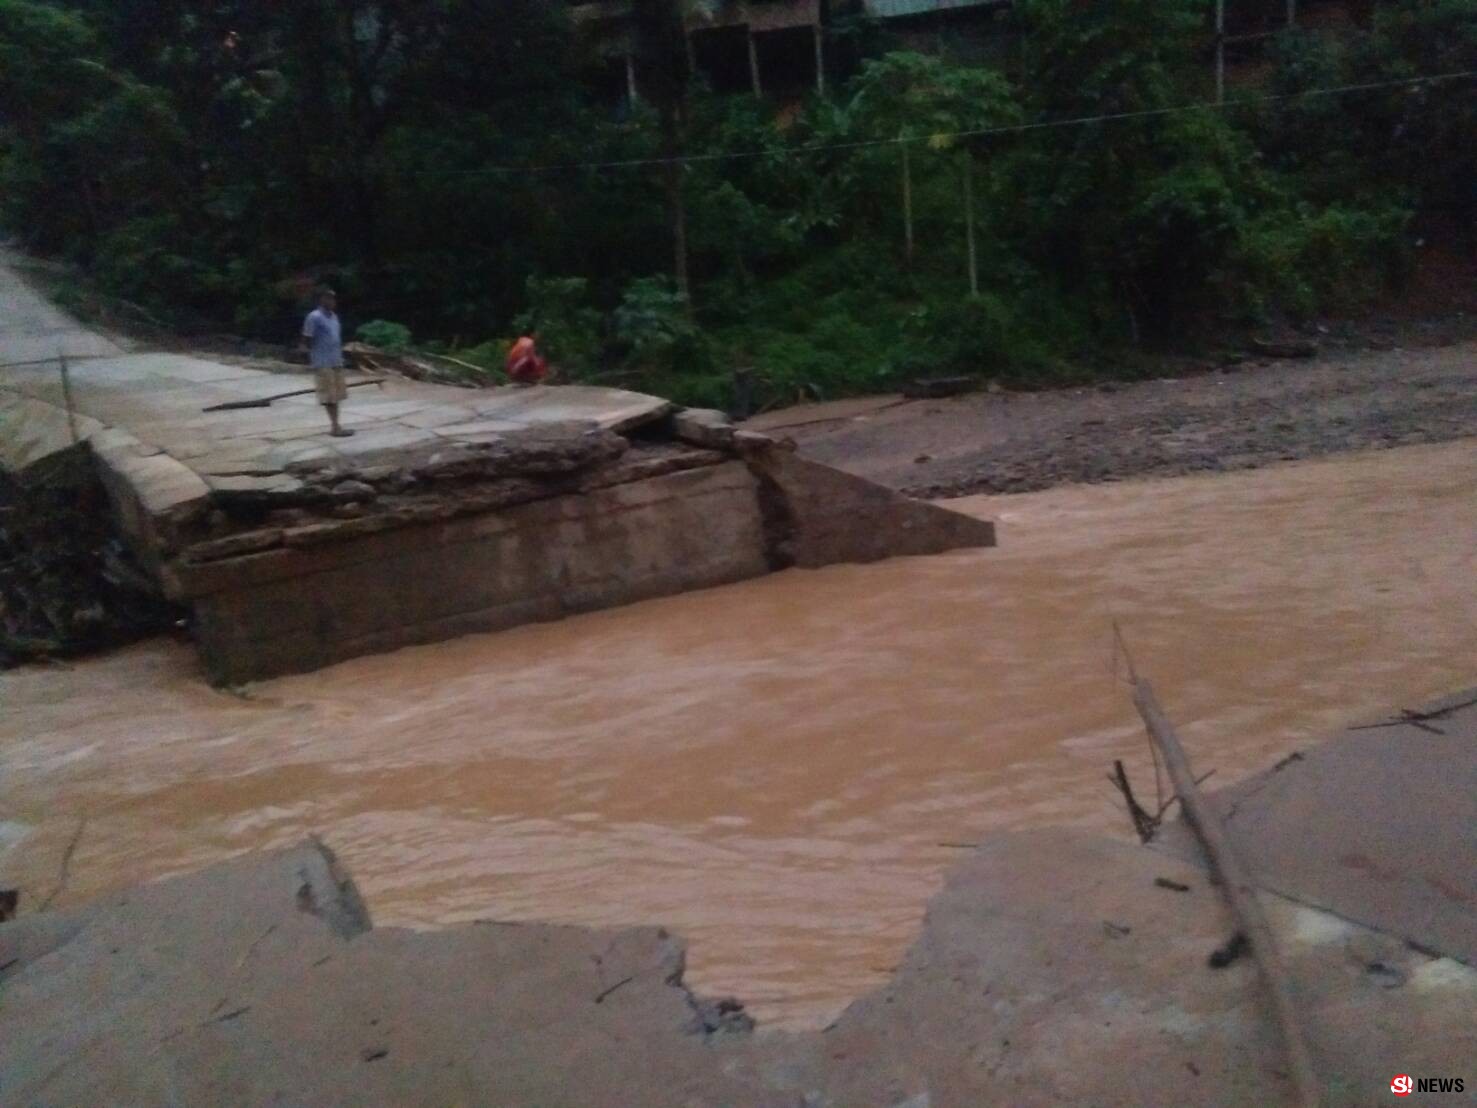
{"x":325,"y":339}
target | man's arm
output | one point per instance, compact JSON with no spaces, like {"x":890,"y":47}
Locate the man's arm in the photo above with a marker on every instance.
{"x":310,"y":329}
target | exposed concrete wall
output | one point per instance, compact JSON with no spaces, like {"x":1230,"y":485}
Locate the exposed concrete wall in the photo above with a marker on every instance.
{"x":32,"y":433}
{"x":396,"y":578}
{"x":152,"y":495}
{"x":537,"y":561}
{"x":819,"y":516}
{"x":150,"y":491}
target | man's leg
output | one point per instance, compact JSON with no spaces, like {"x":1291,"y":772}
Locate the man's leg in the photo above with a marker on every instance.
{"x":329,"y":383}
{"x":337,"y":431}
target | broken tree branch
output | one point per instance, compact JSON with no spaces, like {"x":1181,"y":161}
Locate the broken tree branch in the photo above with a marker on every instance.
{"x":478,"y":369}
{"x":1236,"y":884}
{"x":1146,"y":824}
{"x":1143,"y":823}
{"x":266,"y":401}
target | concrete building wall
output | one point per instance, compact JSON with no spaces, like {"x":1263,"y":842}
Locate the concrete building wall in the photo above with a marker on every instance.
{"x":539,"y":561}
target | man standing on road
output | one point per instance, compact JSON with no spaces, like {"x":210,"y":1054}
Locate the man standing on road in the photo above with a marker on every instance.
{"x":324,"y":341}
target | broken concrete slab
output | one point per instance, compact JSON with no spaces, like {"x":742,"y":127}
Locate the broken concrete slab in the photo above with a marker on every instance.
{"x":433,"y":416}
{"x":613,"y":409}
{"x":1378,"y":825}
{"x":261,"y":981}
{"x":32,"y":432}
{"x":87,"y":1004}
{"x":820,"y":516}
{"x":705,"y":427}
{"x":479,"y":429}
{"x":1053,"y":970}
{"x":265,"y":486}
{"x":543,"y":449}
{"x":154,"y":497}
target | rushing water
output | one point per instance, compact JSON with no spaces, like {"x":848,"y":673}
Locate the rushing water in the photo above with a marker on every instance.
{"x":779,"y":770}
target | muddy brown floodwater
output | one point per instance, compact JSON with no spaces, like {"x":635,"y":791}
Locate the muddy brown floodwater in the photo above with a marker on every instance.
{"x":772,"y":769}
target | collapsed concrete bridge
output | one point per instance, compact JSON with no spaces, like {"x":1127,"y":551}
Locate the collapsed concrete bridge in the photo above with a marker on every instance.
{"x":449,"y":511}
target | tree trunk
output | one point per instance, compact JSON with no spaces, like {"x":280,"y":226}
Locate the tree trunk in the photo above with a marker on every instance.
{"x":974,"y":265}
{"x":908,"y":203}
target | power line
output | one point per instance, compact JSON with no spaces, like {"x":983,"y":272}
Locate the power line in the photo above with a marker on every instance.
{"x":981,"y":132}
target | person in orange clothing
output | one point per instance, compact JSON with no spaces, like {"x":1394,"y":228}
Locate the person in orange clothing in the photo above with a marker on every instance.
{"x":526,"y":366}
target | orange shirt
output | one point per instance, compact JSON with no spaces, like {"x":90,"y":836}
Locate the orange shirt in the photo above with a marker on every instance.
{"x":524,"y":363}
{"x":523,"y":348}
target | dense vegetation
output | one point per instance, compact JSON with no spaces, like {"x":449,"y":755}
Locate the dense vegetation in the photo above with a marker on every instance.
{"x":212,"y":159}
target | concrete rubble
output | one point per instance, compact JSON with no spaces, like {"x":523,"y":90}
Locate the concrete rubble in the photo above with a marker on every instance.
{"x":1054,"y":968}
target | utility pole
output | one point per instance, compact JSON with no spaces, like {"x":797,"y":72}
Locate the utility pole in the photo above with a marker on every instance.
{"x":974,"y":265}
{"x":754,"y":64}
{"x":908,"y":202}
{"x":820,"y":59}
{"x":1292,"y":13}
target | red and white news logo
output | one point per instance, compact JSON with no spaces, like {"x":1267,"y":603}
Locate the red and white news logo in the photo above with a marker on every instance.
{"x":1404,"y":1085}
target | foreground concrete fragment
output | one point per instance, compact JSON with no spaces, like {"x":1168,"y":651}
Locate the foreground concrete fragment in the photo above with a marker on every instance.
{"x":260,"y":982}
{"x":1055,"y":968}
{"x":1378,"y":825}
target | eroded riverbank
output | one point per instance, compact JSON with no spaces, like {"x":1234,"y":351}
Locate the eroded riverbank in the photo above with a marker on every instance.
{"x":1243,"y":417}
{"x":771,"y":768}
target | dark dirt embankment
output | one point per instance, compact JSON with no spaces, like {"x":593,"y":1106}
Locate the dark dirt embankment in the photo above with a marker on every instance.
{"x":1238,"y":417}
{"x":66,"y":584}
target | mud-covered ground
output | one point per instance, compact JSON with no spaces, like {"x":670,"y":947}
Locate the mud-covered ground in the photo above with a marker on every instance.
{"x":1234,"y":417}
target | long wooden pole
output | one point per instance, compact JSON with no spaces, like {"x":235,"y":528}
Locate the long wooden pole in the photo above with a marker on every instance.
{"x":1236,"y":885}
{"x":754,"y":66}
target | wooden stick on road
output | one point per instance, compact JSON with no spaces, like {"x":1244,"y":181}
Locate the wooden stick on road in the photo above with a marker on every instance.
{"x":266,"y":401}
{"x":1236,"y":884}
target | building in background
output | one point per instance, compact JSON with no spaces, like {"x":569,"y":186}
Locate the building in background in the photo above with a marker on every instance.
{"x":772,"y":46}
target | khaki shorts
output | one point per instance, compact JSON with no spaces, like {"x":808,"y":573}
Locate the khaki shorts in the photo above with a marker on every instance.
{"x":330,"y":386}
